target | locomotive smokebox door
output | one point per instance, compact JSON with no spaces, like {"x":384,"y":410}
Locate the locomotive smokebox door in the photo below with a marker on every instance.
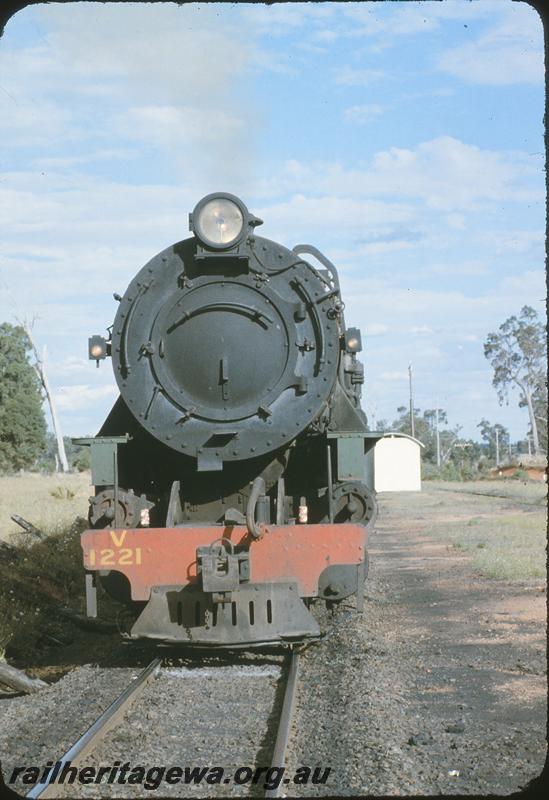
{"x":225,"y":363}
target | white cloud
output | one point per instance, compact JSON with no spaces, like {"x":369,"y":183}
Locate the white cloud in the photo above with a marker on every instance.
{"x":380,"y":21}
{"x":515,"y":240}
{"x":152,"y":51}
{"x":449,"y":174}
{"x":326,"y":35}
{"x":348,"y":76}
{"x":445,"y":174}
{"x":453,"y":314}
{"x":456,"y":221}
{"x":62,"y":162}
{"x":82,"y":396}
{"x":306,"y":216}
{"x":87,"y":208}
{"x":394,"y":376}
{"x":388,"y":23}
{"x":160,"y":76}
{"x":181,"y":126}
{"x":28,"y":124}
{"x":71,"y":365}
{"x":363,"y":113}
{"x":510,"y":52}
{"x":367,"y":250}
{"x":280,"y":18}
{"x":527,"y":288}
{"x":422,"y":329}
{"x":464,"y":267}
{"x":376,"y":329}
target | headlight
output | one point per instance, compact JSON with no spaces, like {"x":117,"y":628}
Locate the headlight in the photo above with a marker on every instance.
{"x":219,"y":220}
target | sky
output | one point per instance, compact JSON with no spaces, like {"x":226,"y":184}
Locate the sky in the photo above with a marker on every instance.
{"x":403,"y":139}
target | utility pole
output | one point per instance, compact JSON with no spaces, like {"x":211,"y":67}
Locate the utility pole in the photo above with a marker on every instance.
{"x":438,"y":437}
{"x":412,"y":425}
{"x":496,"y":428}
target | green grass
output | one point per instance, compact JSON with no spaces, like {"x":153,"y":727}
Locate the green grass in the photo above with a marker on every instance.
{"x":48,"y":501}
{"x":510,"y":546}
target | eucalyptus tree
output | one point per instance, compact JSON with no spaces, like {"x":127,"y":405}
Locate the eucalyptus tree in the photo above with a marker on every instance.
{"x":22,"y":423}
{"x":518,"y":355}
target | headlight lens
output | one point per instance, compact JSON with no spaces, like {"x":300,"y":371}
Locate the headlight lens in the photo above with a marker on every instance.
{"x":219,"y":222}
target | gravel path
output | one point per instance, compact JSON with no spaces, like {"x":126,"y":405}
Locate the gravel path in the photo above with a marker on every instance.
{"x":439,"y":688}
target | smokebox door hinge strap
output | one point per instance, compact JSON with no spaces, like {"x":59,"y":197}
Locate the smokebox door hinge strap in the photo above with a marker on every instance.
{"x":224,"y":377}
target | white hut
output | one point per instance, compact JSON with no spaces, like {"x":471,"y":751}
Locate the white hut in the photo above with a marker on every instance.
{"x":394,"y":464}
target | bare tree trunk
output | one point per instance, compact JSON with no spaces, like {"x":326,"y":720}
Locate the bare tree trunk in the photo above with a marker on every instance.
{"x":445,"y":455}
{"x":41,"y":370}
{"x":533,"y":422}
{"x":54,"y":418}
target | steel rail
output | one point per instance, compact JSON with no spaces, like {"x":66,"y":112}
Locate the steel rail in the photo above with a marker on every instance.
{"x":108,"y":719}
{"x":285,"y":722}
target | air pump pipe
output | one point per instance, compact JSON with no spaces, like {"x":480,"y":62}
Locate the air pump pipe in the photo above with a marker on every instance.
{"x":258,"y":488}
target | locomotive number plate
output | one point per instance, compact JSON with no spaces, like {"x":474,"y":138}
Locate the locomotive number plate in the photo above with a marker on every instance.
{"x":117,"y":555}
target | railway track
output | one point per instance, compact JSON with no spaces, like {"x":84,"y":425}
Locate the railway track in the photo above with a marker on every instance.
{"x":96,"y":732}
{"x":115,"y":717}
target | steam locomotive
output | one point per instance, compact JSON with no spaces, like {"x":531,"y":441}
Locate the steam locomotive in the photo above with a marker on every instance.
{"x":229,"y":475}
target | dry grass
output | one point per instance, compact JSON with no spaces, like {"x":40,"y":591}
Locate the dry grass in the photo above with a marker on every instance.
{"x":510,"y":546}
{"x":525,"y":491}
{"x":500,"y":524}
{"x":48,"y":501}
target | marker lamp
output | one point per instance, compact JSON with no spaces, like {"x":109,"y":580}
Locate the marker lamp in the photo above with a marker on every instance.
{"x":98,"y":348}
{"x":353,"y":340}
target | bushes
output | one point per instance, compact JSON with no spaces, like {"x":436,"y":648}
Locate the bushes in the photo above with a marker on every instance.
{"x":520,"y":475}
{"x":38,"y":576}
{"x":448,"y":472}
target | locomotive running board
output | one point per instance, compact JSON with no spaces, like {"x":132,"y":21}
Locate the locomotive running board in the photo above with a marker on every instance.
{"x":258,"y":612}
